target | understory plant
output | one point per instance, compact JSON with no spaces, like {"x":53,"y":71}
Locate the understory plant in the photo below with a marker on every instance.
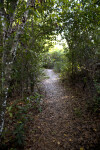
{"x":18,"y":114}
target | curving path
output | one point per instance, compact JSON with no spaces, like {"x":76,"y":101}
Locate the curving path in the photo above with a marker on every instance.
{"x":56,"y":127}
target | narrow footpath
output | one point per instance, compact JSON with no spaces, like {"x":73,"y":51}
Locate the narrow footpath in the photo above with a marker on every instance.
{"x":61,"y":125}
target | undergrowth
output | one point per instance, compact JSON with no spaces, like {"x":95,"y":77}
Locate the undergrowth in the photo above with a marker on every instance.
{"x":17,"y":116}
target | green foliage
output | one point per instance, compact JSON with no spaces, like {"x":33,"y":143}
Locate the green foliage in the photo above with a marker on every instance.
{"x":19,"y":134}
{"x":57,"y":66}
{"x":54,"y":59}
{"x":18,"y":115}
{"x":78,"y":112}
{"x":81,"y":28}
{"x":25,"y":30}
{"x":47,"y":61}
{"x":37,"y":100}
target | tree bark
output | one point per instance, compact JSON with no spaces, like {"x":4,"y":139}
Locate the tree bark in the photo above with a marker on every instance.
{"x":8,"y":58}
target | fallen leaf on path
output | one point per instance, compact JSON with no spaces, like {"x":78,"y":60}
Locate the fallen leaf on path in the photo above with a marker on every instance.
{"x":95,"y":130}
{"x":81,"y":148}
{"x":53,"y":140}
{"x":65,"y":134}
{"x":58,"y":143}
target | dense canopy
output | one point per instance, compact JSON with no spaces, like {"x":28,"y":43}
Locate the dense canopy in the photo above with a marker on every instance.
{"x":28,"y":29}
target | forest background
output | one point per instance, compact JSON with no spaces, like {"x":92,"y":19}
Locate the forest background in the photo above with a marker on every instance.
{"x":28,"y":29}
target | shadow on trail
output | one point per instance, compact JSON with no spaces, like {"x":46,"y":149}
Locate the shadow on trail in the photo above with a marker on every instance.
{"x":57,"y":127}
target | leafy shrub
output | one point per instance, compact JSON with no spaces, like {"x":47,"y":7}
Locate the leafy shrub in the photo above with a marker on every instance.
{"x":58,"y":66}
{"x":17,"y":114}
{"x":54,"y":60}
{"x":48,"y":61}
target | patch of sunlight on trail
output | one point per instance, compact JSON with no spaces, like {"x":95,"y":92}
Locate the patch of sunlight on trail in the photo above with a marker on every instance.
{"x":64,"y":97}
{"x":52,"y":76}
{"x":52,"y":80}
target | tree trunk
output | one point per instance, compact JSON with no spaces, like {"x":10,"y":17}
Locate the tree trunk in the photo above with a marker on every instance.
{"x":8,"y":59}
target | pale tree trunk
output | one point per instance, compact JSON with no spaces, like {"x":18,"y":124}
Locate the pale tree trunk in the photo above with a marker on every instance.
{"x":8,"y":59}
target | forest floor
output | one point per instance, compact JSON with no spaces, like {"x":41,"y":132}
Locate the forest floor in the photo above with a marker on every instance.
{"x":64,"y":123}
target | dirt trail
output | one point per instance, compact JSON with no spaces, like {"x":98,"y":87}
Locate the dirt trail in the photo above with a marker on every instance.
{"x":56,"y":127}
